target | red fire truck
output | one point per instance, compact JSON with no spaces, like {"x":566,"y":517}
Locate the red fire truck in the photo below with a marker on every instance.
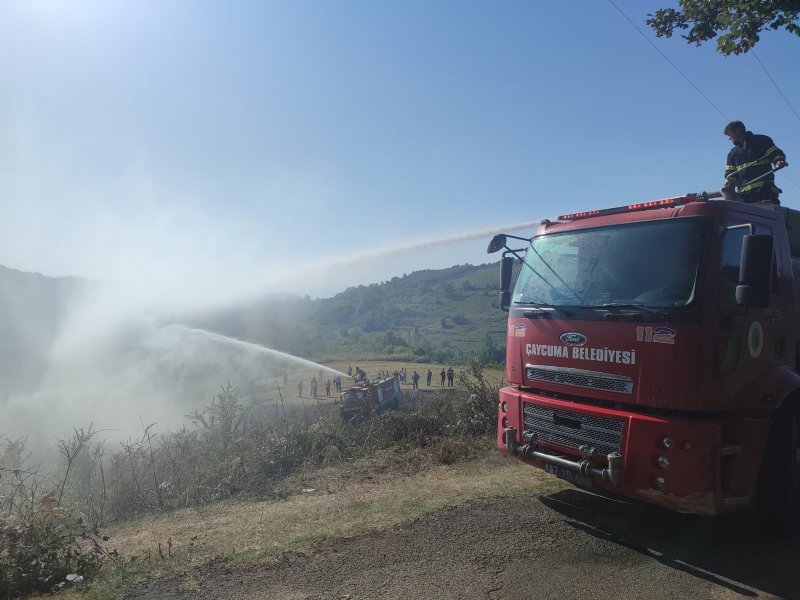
{"x":652,"y":352}
{"x":379,"y":395}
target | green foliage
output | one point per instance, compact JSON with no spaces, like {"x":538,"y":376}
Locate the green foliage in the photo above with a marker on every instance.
{"x":478,"y":415}
{"x":739,"y":22}
{"x":449,"y":291}
{"x":488,"y":353}
{"x":226,"y":450}
{"x":428,"y":315}
{"x":416,"y":429}
{"x":392,"y":339}
{"x":45,"y":554}
{"x":43,"y":547}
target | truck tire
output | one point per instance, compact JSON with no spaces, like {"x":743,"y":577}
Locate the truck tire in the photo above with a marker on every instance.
{"x":777,"y":506}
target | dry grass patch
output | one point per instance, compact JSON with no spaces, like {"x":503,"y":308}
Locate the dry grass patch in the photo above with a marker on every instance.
{"x":493,"y":376}
{"x":258,"y":530}
{"x":289,"y":398}
{"x":309,"y":407}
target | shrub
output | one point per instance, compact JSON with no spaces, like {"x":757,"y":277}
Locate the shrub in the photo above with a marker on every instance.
{"x":42,"y":545}
{"x":224,"y":450}
{"x":478,"y":415}
{"x":46,"y":554}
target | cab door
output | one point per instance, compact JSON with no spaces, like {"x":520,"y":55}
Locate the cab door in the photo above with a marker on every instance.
{"x":747,"y":340}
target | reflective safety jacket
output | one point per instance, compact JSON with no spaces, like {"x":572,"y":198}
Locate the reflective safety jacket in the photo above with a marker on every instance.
{"x":747,"y":161}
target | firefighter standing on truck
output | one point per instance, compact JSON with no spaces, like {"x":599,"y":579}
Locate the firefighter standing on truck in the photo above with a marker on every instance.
{"x":749,"y":164}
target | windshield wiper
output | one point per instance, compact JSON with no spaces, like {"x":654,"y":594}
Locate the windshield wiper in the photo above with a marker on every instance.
{"x":662,"y":316}
{"x":544,"y":307}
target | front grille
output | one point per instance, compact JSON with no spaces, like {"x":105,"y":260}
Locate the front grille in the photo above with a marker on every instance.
{"x":573,"y":430}
{"x":580,"y":378}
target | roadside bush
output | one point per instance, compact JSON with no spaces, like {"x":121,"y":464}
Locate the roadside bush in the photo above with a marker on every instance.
{"x":452,"y":450}
{"x":228,"y":449}
{"x":45,"y":555}
{"x":478,"y":415}
{"x":417,"y":429}
{"x":49,"y":521}
{"x":43,"y":546}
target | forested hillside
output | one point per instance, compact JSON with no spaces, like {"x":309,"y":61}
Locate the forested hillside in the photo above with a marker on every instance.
{"x":444,"y":315}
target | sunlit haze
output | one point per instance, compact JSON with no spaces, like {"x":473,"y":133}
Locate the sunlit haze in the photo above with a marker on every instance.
{"x":190,"y":154}
{"x":218,"y":143}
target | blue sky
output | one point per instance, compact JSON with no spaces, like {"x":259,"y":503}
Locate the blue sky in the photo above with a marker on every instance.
{"x":194,"y":146}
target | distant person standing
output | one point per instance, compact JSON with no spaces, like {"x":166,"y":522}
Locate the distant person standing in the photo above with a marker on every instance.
{"x":349,"y":371}
{"x":450,"y":374}
{"x":299,"y":389}
{"x":328,"y":388}
{"x":314,"y":387}
{"x":442,"y":375}
{"x":428,"y":377}
{"x":415,"y":380}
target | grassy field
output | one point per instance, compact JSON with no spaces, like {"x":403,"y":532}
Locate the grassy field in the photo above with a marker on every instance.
{"x":271,"y":391}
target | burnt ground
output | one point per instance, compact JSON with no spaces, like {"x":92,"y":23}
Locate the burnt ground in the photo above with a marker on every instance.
{"x":568,"y":544}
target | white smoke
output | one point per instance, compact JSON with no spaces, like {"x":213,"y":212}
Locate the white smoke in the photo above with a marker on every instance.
{"x":118,"y":361}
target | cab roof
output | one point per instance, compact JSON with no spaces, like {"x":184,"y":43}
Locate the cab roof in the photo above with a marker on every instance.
{"x":679,"y":206}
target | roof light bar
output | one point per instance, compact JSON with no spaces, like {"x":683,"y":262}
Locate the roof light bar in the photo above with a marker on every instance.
{"x":665,"y":203}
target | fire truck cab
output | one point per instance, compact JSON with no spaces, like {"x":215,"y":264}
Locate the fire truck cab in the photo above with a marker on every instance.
{"x":652,"y":352}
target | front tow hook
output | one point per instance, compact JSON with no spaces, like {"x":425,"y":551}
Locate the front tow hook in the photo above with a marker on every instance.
{"x":613,"y":473}
{"x":510,"y":434}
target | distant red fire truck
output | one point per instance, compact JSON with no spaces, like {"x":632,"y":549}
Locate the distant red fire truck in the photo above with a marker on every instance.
{"x":374,"y":396}
{"x":652,"y":352}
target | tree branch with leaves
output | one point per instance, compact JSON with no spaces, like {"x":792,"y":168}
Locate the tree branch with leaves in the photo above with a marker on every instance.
{"x":735,"y":24}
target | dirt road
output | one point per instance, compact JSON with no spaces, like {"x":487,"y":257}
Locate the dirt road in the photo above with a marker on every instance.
{"x":569,"y":544}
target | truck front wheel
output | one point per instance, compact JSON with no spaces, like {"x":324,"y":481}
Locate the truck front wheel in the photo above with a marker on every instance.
{"x":777,"y":506}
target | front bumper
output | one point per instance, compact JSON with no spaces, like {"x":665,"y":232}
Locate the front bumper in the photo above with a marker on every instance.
{"x":583,"y":468}
{"x":671,"y":462}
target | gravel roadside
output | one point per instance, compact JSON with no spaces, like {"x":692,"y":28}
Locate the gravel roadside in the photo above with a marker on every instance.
{"x":568,"y":544}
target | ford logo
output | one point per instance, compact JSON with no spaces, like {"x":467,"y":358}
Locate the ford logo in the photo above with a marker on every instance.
{"x":573,"y":338}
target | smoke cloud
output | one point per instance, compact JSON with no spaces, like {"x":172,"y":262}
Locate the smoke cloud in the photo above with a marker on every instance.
{"x":120,"y":358}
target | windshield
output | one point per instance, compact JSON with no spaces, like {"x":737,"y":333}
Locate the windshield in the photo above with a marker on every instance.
{"x":651,"y":264}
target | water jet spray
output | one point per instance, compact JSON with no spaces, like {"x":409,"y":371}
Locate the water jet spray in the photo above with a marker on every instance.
{"x":253,"y":347}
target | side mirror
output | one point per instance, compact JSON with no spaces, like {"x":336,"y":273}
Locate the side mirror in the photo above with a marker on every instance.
{"x":755,"y":271}
{"x":498,"y":243}
{"x":506,"y":267}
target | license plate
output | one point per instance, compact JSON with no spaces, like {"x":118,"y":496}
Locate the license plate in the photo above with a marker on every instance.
{"x":567,"y":475}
